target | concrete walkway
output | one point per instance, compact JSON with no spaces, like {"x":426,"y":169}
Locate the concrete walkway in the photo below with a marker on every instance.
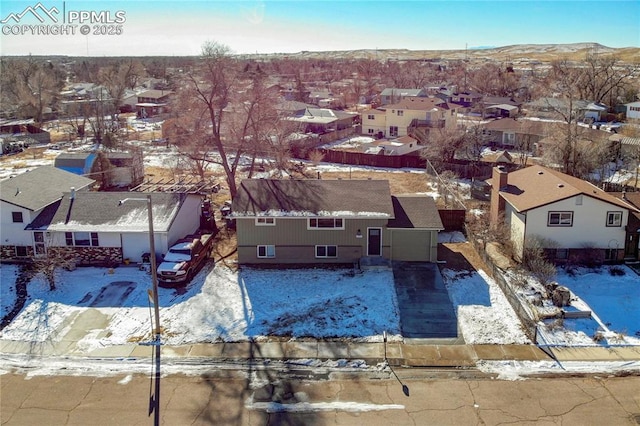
{"x":397,"y":354}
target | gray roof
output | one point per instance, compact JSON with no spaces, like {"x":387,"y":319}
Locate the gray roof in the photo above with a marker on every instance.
{"x":391,"y":91}
{"x":36,"y":189}
{"x":102,"y":212}
{"x":339,"y":198}
{"x":415,"y":211}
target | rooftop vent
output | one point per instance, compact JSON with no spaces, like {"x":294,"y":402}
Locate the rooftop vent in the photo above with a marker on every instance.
{"x":540,"y":172}
{"x":560,"y":185}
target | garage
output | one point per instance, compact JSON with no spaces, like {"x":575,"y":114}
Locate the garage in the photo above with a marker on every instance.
{"x":413,"y":233}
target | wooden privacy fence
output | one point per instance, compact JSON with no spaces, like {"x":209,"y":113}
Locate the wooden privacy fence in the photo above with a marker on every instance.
{"x":373,"y":160}
{"x":452,"y":220}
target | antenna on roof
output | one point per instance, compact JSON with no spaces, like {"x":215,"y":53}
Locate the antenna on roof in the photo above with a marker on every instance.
{"x":18,"y":191}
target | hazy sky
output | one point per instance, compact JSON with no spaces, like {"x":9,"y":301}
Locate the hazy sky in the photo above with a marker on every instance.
{"x":166,"y":27}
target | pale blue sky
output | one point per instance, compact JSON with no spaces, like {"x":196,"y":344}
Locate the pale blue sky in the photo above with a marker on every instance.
{"x":165,"y":27}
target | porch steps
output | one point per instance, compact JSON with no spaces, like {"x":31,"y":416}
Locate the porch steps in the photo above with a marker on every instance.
{"x":372,"y":263}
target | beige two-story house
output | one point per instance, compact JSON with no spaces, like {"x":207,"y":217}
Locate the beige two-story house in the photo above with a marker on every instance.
{"x":400,"y":119}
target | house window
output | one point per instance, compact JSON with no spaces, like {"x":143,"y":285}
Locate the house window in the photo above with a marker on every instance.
{"x":400,"y":113}
{"x":21,"y":251}
{"x":265,"y":221}
{"x":326,"y":251}
{"x":614,"y":218}
{"x":562,"y":254}
{"x":560,"y":219}
{"x":370,"y":131}
{"x":509,"y":137}
{"x":326,"y":223}
{"x":393,"y":131}
{"x":17,"y":217}
{"x":83,"y":239}
{"x":371,"y":117}
{"x":267,"y":251}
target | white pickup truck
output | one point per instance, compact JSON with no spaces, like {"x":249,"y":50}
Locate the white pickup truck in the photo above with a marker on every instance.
{"x":184,"y":259}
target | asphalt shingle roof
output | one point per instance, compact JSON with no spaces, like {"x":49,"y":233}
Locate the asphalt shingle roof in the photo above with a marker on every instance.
{"x":271,"y":197}
{"x":40,"y":187}
{"x":415,"y":211}
{"x":100,"y":211}
{"x":536,"y":186}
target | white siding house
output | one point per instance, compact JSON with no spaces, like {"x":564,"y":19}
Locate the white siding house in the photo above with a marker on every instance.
{"x":633,"y":110}
{"x":567,"y":214}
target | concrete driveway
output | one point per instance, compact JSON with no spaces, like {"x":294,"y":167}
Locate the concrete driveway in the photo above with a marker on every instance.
{"x":426,"y":312}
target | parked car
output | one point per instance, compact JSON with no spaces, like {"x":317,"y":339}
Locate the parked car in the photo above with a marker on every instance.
{"x":184,"y":259}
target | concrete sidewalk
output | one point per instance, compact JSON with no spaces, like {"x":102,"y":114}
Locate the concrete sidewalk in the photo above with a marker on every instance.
{"x":397,"y":354}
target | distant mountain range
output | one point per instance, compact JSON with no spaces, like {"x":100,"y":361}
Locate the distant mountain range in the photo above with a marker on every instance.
{"x":541,"y":52}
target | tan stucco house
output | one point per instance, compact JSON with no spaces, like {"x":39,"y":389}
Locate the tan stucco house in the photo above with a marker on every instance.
{"x":397,"y":120}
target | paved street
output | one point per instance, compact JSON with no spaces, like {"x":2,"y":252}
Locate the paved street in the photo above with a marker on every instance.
{"x":225,"y":397}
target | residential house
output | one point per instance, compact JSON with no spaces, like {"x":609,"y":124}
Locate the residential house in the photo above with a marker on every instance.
{"x":499,"y":106}
{"x":153,"y":102}
{"x":23,"y":131}
{"x":374,"y":122}
{"x":594,"y":111}
{"x":633,"y":110}
{"x":323,"y":98}
{"x":581,"y":110}
{"x":511,"y":132}
{"x":23,"y":198}
{"x":108,"y":227}
{"x":392,"y":95}
{"x":112,"y":169}
{"x":467,"y":99}
{"x":403,"y":145}
{"x":332,"y":222}
{"x":323,"y":120}
{"x":404,"y":117}
{"x":570,"y":217}
{"x":632,"y":239}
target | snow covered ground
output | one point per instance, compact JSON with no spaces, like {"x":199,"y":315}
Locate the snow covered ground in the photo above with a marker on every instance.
{"x":219,"y":305}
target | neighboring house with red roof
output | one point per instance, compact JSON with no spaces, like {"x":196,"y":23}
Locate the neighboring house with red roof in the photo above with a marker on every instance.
{"x":332,"y":222}
{"x":399,"y":119}
{"x":569,"y":215}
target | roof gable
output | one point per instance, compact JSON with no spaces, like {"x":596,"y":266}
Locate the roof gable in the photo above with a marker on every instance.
{"x":308,"y":198}
{"x":536,"y":186}
{"x":415,"y":211}
{"x":38,"y":188}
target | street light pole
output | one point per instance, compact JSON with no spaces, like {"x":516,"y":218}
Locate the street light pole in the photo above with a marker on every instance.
{"x":152,"y":258}
{"x":154,"y":401}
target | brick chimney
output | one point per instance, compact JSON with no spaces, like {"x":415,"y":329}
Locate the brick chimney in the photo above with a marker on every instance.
{"x":499,"y":181}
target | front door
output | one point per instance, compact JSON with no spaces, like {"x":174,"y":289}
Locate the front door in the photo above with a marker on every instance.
{"x":374,"y":242}
{"x":38,"y":247}
{"x":631,"y":246}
